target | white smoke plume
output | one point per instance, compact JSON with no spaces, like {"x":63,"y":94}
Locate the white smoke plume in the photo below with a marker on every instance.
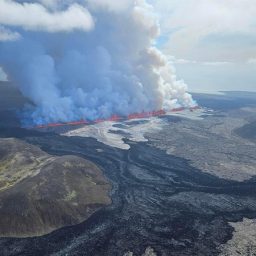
{"x":87,"y":59}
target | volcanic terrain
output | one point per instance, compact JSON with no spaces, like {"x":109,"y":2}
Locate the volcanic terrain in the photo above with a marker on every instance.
{"x":182,"y":185}
{"x":40,"y":193}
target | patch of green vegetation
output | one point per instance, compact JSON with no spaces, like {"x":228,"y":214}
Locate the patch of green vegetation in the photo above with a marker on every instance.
{"x":67,"y":165}
{"x":70,"y":196}
{"x":4,"y":166}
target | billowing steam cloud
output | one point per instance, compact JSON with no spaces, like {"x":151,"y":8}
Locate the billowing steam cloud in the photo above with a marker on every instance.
{"x":87,"y":59}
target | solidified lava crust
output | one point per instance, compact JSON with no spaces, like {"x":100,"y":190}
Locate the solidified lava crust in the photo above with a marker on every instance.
{"x":158,"y":200}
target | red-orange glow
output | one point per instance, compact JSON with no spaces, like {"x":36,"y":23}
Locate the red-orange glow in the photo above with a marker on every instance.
{"x":114,"y":118}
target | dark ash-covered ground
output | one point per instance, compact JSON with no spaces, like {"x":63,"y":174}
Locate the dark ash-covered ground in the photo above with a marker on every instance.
{"x":159,"y":200}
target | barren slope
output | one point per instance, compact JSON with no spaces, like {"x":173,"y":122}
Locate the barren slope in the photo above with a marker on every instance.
{"x":40,"y":193}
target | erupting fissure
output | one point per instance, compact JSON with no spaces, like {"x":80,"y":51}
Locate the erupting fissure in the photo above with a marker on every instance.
{"x":116,"y":118}
{"x":90,"y":59}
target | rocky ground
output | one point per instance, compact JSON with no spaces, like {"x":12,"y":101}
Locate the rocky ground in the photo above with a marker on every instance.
{"x":181,"y":185}
{"x":212,"y":144}
{"x":243,"y":241}
{"x":149,"y":252}
{"x":40,"y":193}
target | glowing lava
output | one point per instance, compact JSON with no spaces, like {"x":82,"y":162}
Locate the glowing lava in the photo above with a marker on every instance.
{"x":115,"y":118}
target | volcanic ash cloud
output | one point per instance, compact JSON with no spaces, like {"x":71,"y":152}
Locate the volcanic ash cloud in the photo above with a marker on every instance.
{"x":87,"y":59}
